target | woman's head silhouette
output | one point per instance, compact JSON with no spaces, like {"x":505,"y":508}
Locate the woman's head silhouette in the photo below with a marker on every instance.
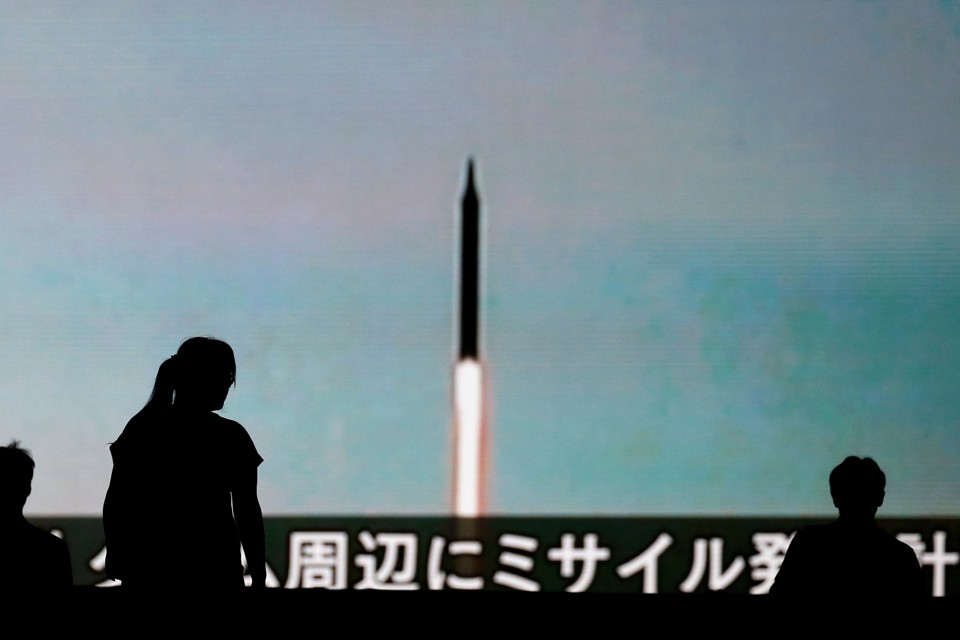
{"x":198,"y":376}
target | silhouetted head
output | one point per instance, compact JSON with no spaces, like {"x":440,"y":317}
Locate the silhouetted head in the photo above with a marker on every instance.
{"x":198,"y":376}
{"x":857,"y":487}
{"x":16,"y":476}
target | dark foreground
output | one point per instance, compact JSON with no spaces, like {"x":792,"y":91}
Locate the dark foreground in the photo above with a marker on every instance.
{"x":319,"y":612}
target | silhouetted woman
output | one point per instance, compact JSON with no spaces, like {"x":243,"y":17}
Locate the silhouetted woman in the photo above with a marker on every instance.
{"x":183,"y":494}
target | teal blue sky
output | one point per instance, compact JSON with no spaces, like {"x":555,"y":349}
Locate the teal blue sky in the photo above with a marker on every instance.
{"x":721,"y":249}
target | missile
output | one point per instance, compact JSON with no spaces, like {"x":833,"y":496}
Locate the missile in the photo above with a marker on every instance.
{"x":469,"y":472}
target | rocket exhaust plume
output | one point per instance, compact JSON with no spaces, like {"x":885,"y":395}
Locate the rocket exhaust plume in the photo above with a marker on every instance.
{"x":469,"y":462}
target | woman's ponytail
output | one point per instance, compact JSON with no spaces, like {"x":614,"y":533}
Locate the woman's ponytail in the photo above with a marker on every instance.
{"x":164,"y":387}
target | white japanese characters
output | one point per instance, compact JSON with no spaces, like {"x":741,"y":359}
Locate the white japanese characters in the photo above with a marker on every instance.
{"x":521,"y":561}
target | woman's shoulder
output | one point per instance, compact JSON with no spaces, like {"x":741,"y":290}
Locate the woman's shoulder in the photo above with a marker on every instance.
{"x":137,"y":429}
{"x":228,"y":426}
{"x":236,"y":437}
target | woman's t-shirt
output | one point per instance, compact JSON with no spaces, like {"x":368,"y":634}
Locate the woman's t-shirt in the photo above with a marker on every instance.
{"x":171,"y":521}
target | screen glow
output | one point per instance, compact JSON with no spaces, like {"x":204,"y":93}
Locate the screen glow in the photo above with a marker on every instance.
{"x":720,"y":243}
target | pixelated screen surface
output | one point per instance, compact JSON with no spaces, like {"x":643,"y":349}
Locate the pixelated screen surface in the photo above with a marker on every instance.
{"x":720,"y":245}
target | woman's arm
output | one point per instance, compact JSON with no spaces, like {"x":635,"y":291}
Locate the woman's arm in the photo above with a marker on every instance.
{"x":249,"y":517}
{"x":114,"y":529}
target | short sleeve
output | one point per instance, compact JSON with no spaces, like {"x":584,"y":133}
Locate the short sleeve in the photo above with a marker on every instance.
{"x":243,"y":453}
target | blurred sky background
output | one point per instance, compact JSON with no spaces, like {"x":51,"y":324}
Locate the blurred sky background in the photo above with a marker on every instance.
{"x":722,"y":244}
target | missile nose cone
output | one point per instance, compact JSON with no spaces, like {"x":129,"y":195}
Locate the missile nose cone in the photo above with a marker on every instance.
{"x":470,"y":190}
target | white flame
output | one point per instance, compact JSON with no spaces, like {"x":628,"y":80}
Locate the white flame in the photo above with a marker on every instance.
{"x":468,"y":400}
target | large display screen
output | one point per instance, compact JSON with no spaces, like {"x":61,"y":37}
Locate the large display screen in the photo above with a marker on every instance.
{"x":719,"y":245}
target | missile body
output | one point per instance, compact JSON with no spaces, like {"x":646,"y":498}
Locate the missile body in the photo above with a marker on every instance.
{"x":469,"y":269}
{"x":469,"y":461}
